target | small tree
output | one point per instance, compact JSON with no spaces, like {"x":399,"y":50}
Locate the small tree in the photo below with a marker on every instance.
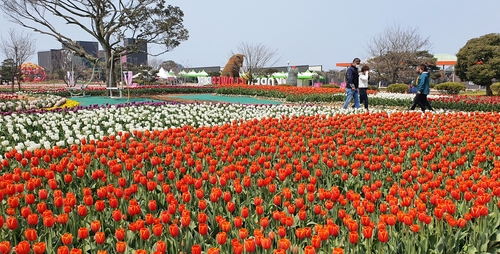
{"x":257,"y":56}
{"x":479,"y":61}
{"x":7,"y":69}
{"x":19,"y":47}
{"x":396,"y":51}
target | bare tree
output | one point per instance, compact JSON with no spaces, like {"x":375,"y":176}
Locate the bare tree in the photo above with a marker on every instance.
{"x":396,"y":51}
{"x":19,"y":47}
{"x":108,"y":21}
{"x":155,"y":63}
{"x":257,"y":57}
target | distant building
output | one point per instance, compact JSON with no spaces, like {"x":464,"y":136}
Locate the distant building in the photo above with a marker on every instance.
{"x":50,"y":60}
{"x":137,"y":59}
{"x":90,"y":47}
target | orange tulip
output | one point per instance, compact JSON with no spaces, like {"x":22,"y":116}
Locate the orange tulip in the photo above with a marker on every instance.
{"x":196,"y":249}
{"x":161,"y":246}
{"x":23,"y":247}
{"x":39,"y":248}
{"x":30,"y":234}
{"x":213,"y":250}
{"x":250,"y":245}
{"x":63,"y":250}
{"x":5,"y":247}
{"x":67,"y":238}
{"x":99,"y":237}
{"x":121,"y":247}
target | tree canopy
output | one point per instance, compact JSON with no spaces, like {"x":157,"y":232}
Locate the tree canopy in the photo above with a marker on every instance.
{"x":479,"y":61}
{"x":108,"y":21}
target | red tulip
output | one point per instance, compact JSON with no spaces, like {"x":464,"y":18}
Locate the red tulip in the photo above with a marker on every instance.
{"x":12,"y":223}
{"x":244,"y":212}
{"x":309,"y":250}
{"x":203,"y":228}
{"x":5,"y":247}
{"x":338,"y":250}
{"x":95,"y":225}
{"x":213,"y":250}
{"x":120,"y":234}
{"x":367,"y":232}
{"x":32,"y":219}
{"x":30,"y":234}
{"x":250,"y":245}
{"x":196,"y":249}
{"x":157,"y":229}
{"x":63,"y":250}
{"x":83,"y":233}
{"x":173,"y":230}
{"x":23,"y":248}
{"x":121,"y":247}
{"x":316,"y":241}
{"x":39,"y":248}
{"x":221,"y":238}
{"x":243,"y":233}
{"x":67,"y":238}
{"x":99,"y":205}
{"x":99,"y":237}
{"x":383,"y":236}
{"x":48,"y":221}
{"x":144,"y":233}
{"x":117,"y":215}
{"x":353,"y":237}
{"x":152,"y":205}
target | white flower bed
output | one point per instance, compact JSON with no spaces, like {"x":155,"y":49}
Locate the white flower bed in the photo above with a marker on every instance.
{"x":402,"y":96}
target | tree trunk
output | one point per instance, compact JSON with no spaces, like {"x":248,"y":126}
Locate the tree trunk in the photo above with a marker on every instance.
{"x":489,"y":92}
{"x":110,"y":66}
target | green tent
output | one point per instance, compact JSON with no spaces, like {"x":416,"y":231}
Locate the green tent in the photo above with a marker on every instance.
{"x":192,"y":74}
{"x":202,"y":73}
{"x":280,"y":75}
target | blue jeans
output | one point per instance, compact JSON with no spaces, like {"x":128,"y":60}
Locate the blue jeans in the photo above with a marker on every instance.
{"x":350,"y":94}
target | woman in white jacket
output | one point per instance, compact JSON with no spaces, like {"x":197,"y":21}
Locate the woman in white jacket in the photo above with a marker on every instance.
{"x":363,"y":86}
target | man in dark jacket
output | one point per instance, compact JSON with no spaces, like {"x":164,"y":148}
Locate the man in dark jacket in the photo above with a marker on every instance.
{"x":352,"y":83}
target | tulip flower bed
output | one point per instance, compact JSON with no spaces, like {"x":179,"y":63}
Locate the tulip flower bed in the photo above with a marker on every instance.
{"x":292,"y":182}
{"x":290,"y":93}
{"x":468,"y":103}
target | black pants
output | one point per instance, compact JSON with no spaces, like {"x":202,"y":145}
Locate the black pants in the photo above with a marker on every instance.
{"x":363,"y":97}
{"x":414,"y":104}
{"x":423,"y":103}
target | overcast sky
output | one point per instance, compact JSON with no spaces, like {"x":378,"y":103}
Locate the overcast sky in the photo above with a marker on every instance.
{"x":317,"y":32}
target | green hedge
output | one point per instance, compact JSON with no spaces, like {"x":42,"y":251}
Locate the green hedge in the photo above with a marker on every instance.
{"x":450,"y":87}
{"x":495,"y":87}
{"x":397,"y":88}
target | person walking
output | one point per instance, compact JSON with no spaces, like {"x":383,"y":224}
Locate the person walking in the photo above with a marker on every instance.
{"x":352,"y":84}
{"x":423,"y":88}
{"x":363,"y":85}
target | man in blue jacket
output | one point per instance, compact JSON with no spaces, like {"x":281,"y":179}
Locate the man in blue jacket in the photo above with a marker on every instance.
{"x":423,"y":88}
{"x":352,"y":83}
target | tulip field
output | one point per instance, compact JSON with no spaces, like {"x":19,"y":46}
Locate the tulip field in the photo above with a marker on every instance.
{"x":229,"y":178}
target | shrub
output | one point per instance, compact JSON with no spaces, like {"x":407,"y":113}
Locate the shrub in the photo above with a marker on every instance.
{"x":374,"y":88}
{"x":450,"y":87}
{"x":495,"y":87}
{"x":329,"y":86}
{"x":397,"y":88}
